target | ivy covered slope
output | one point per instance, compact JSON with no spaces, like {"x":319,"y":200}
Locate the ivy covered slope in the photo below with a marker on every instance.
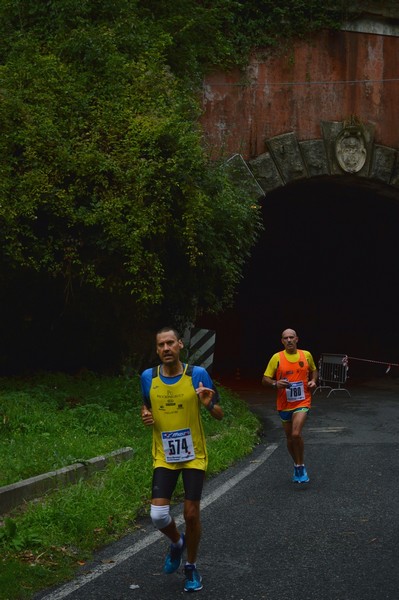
{"x":104,"y":180}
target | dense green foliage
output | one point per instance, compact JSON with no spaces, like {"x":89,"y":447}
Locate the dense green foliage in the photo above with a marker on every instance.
{"x":104,"y":180}
{"x":77,"y":418}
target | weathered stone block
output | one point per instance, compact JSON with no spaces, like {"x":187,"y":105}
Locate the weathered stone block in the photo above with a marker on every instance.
{"x":395,"y":172}
{"x":331,"y":129}
{"x":266,"y":172}
{"x":287,"y":156}
{"x":383,"y":163}
{"x":315,"y":157}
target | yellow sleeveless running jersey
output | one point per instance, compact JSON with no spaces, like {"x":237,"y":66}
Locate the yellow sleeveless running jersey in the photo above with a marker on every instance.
{"x":178,"y":439}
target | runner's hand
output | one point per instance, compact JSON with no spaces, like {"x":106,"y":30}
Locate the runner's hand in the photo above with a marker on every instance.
{"x":146,"y":416}
{"x":205,"y":394}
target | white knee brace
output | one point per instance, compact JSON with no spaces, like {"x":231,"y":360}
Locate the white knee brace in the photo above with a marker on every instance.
{"x":160,"y":516}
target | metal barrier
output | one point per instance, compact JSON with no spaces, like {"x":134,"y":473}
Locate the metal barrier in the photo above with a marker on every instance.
{"x":333,"y":368}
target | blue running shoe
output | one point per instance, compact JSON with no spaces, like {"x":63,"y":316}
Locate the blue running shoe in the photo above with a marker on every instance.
{"x":302,"y":474}
{"x":193,"y":579}
{"x":173,"y":559}
{"x":295,"y":477}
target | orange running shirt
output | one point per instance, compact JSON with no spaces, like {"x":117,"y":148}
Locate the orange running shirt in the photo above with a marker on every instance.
{"x":296,"y":368}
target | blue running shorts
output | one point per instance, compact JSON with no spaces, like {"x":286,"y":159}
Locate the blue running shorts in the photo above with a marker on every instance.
{"x":286,"y":415}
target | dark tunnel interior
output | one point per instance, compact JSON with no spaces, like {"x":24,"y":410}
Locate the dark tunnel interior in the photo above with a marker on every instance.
{"x":326,"y":266}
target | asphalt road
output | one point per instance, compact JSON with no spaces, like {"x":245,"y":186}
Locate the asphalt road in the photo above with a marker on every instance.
{"x":336,"y":538}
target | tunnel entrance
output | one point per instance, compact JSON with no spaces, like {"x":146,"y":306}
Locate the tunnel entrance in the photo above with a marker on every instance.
{"x":326,"y":265}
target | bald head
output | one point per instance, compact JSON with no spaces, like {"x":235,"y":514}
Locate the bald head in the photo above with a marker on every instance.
{"x":289,"y":339}
{"x":289,"y":332}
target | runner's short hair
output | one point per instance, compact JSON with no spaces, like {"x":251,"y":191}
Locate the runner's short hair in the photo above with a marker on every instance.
{"x":166,"y":328}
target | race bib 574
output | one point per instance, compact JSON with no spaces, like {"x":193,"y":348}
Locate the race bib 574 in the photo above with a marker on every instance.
{"x":178,"y":445}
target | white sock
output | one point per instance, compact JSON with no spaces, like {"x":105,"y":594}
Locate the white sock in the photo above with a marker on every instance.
{"x":178,"y":544}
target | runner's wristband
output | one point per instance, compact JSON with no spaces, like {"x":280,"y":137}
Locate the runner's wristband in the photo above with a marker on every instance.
{"x":211,"y":405}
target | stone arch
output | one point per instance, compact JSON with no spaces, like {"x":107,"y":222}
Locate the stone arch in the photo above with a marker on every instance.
{"x":344,"y":310}
{"x":345,"y":148}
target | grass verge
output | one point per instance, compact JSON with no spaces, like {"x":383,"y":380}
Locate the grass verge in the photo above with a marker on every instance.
{"x":50,"y":421}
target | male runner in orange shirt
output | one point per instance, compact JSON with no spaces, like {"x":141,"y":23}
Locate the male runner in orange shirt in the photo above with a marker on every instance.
{"x":294,"y":375}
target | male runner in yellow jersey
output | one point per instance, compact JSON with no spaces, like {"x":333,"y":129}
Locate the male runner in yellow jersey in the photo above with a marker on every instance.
{"x":173,"y":394}
{"x":293,"y":373}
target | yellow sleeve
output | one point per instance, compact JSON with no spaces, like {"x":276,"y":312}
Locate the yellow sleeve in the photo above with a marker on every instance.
{"x":272,"y":366}
{"x":309,"y":358}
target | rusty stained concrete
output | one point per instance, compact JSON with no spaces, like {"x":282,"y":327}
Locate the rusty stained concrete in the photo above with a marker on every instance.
{"x":330,"y":77}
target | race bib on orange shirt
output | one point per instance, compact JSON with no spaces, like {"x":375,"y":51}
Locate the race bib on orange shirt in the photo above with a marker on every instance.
{"x":295,"y":392}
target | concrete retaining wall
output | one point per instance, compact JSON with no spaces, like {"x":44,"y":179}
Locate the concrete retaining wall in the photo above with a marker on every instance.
{"x":15,"y":494}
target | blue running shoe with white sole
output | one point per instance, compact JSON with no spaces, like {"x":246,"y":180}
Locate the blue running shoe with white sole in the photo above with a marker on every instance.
{"x":300,"y":474}
{"x":174,"y":557}
{"x":193,"y":581}
{"x":303,"y":476}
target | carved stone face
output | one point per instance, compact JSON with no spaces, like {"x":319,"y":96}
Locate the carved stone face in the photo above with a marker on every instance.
{"x":350,"y":150}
